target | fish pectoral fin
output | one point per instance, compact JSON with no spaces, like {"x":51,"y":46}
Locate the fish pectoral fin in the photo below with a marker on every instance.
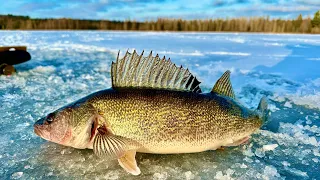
{"x":106,"y":144}
{"x":129,"y":163}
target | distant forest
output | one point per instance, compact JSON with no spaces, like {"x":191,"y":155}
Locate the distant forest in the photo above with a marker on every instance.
{"x":255,"y":24}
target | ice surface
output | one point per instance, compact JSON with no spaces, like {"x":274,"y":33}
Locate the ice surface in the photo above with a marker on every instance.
{"x":67,"y":65}
{"x":287,"y":104}
{"x":269,"y":147}
{"x":17,"y":175}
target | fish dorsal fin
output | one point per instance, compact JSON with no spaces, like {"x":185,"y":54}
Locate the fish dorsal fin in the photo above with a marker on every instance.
{"x":140,"y":71}
{"x":223,"y":86}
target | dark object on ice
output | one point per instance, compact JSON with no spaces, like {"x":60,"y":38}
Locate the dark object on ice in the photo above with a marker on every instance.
{"x":7,"y":69}
{"x":11,"y":55}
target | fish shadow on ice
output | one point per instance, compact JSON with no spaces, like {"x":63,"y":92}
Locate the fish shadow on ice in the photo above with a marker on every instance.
{"x":302,"y":64}
{"x":71,"y":162}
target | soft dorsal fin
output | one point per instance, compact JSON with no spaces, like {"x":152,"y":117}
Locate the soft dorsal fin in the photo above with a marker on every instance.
{"x":140,"y":71}
{"x":223,"y":86}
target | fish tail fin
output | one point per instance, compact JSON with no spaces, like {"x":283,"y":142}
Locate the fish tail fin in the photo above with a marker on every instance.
{"x":263,"y":109}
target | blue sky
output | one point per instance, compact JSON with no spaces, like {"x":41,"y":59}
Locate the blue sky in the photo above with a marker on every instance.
{"x":151,"y":9}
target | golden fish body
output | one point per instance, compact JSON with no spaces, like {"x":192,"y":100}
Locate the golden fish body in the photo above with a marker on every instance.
{"x":152,"y":107}
{"x":174,"y":122}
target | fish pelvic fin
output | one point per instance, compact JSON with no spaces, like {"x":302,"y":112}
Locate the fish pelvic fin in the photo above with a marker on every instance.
{"x":138,"y":71}
{"x":263,"y":109}
{"x":106,"y":144}
{"x":129,"y":163}
{"x":223,"y":86}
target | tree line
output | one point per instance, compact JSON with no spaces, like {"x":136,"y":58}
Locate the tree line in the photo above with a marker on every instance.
{"x":255,"y":24}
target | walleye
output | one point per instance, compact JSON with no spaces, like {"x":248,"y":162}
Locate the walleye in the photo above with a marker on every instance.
{"x":153,"y":107}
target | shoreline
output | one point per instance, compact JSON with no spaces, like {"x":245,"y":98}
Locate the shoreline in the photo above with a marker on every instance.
{"x":185,"y":32}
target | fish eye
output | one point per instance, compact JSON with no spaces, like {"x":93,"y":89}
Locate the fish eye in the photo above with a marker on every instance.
{"x":50,"y":117}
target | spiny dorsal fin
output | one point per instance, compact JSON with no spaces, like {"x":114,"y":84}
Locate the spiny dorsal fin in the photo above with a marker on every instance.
{"x":223,"y":86}
{"x":140,"y":71}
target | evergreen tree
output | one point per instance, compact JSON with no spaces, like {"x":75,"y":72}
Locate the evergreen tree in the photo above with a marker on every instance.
{"x":316,"y":19}
{"x":253,"y":24}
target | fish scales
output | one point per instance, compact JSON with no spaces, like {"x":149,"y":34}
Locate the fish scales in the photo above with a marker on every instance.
{"x":161,"y":118}
{"x":153,"y":106}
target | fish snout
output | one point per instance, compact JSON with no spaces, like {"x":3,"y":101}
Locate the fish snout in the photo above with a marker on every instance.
{"x":37,"y":126}
{"x":52,"y":127}
{"x":37,"y":130}
{"x":41,"y":125}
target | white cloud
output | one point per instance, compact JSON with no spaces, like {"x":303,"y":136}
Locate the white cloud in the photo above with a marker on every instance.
{"x":309,"y":2}
{"x":287,"y":9}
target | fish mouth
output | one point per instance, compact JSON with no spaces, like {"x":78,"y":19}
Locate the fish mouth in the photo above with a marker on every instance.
{"x":37,"y":130}
{"x":38,"y":127}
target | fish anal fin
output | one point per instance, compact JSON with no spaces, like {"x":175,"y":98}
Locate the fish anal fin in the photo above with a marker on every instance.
{"x":239,"y":142}
{"x":223,"y":86}
{"x":129,"y":163}
{"x":152,"y":72}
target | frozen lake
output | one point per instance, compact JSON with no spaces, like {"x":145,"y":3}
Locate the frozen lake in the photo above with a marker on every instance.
{"x":67,"y":65}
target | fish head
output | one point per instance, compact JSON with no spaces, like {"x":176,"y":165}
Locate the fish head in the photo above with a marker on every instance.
{"x":55,"y":127}
{"x":68,"y":126}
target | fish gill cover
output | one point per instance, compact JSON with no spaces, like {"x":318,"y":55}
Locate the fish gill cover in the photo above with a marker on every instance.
{"x":64,"y":68}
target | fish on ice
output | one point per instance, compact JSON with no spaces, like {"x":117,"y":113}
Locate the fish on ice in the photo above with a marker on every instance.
{"x":156,"y":107}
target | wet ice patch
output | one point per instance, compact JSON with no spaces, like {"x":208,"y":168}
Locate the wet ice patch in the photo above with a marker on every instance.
{"x":314,"y":59}
{"x":312,"y":100}
{"x":274,"y":44}
{"x":237,"y":40}
{"x":270,"y":172}
{"x":269,"y":147}
{"x":17,"y":175}
{"x":287,"y":104}
{"x":230,"y":53}
{"x":273,"y":108}
{"x":181,"y":53}
{"x":44,"y":69}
